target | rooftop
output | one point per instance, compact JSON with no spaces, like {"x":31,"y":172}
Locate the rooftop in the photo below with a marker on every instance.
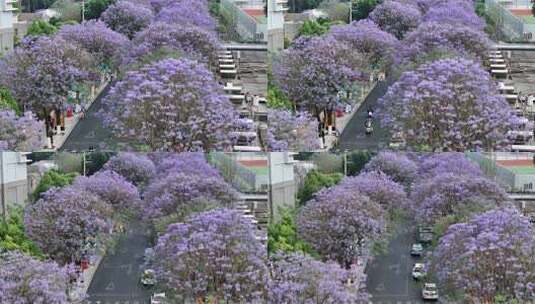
{"x":518,"y":166}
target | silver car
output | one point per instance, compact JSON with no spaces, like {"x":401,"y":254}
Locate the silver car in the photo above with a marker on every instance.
{"x":430,"y":291}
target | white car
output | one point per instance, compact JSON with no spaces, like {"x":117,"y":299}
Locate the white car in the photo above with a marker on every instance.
{"x":418,"y":271}
{"x":430,"y":292}
{"x":158,"y":298}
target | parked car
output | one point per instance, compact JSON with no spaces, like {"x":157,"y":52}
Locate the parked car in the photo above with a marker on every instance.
{"x":158,"y":298}
{"x":397,"y":141}
{"x":425,"y":234}
{"x":417,"y":249}
{"x":430,"y":291}
{"x":148,"y":278}
{"x":418,"y":271}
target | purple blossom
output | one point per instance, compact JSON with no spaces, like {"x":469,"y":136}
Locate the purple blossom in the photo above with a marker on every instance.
{"x":112,"y":188}
{"x":455,"y":163}
{"x":395,"y":17}
{"x":26,"y":280}
{"x":455,"y":12}
{"x":171,"y":105}
{"x":367,"y":38}
{"x":448,"y":105}
{"x":297,"y":278}
{"x":188,"y":13}
{"x":23,"y":133}
{"x":40,"y":72}
{"x":315,"y":69}
{"x":214,"y":253}
{"x":64,"y":220}
{"x":180,"y":193}
{"x":187,"y":163}
{"x":491,"y":254}
{"x":127,"y":17}
{"x":289,"y":132}
{"x":396,"y":165}
{"x":450,"y":194}
{"x":134,"y":167}
{"x":105,"y":45}
{"x":340,"y":222}
{"x":191,"y":42}
{"x":458,"y":39}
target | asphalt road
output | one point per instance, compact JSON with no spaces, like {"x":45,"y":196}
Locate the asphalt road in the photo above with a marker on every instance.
{"x":354,"y":137}
{"x":117,"y":278}
{"x":89,"y":133}
{"x":389,"y":277}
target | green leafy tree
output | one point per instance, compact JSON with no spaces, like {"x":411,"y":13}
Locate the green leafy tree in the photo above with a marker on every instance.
{"x":362,"y":8}
{"x":315,"y":181}
{"x":282,"y":235}
{"x":94,"y":8}
{"x":13,"y":237}
{"x":314,"y":28}
{"x":277,"y":100}
{"x":8,"y":102}
{"x":40,"y":28}
{"x":53,"y":178}
{"x":357,"y":160}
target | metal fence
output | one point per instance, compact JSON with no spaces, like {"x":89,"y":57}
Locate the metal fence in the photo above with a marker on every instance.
{"x":248,"y":28}
{"x":239,"y":176}
{"x":511,"y":25}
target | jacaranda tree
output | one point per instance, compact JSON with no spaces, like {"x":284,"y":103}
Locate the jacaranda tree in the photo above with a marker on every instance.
{"x":455,"y":12}
{"x":134,"y":167}
{"x":456,"y":163}
{"x":105,"y":45}
{"x":298,"y":278}
{"x":448,"y":105}
{"x":287,"y":131}
{"x":212,"y":254}
{"x":188,"y":14}
{"x":65,"y":220}
{"x":397,"y":18}
{"x":40,"y":72}
{"x":127,"y":17}
{"x":397,"y":166}
{"x":171,"y":105}
{"x":20,"y":133}
{"x":340,"y":224}
{"x":26,"y":280}
{"x":488,"y":256}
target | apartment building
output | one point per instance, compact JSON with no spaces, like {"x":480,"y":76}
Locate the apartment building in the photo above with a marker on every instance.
{"x":13,"y":180}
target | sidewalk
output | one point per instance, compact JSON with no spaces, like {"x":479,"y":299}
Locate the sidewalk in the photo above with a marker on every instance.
{"x":70,"y":123}
{"x":79,"y":293}
{"x":341,"y":122}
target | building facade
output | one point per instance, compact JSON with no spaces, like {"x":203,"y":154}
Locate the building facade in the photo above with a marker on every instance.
{"x":7,"y":27}
{"x":13,"y":180}
{"x":275,"y":24}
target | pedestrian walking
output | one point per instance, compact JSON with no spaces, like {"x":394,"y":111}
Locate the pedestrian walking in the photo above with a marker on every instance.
{"x":82,"y":112}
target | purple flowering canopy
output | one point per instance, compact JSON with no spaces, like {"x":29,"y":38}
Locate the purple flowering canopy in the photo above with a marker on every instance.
{"x":448,"y":162}
{"x":455,"y":12}
{"x":340,"y":223}
{"x":127,"y":17}
{"x":397,"y":166}
{"x":171,"y":105}
{"x":189,"y":163}
{"x":94,"y":36}
{"x":72,"y":216}
{"x":134,"y":167}
{"x":366,"y":37}
{"x":396,"y":18}
{"x":461,"y":195}
{"x":379,"y":187}
{"x":491,"y":254}
{"x":181,"y":193}
{"x":315,"y":69}
{"x":112,"y":188}
{"x":298,"y":278}
{"x":458,"y":39}
{"x":26,"y":280}
{"x":40,"y":72}
{"x":23,"y":133}
{"x":289,"y":132}
{"x":448,"y":105}
{"x":188,"y":13}
{"x":213,"y":253}
{"x":191,"y":42}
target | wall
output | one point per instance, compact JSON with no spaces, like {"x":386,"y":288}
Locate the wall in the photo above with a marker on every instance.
{"x":13,"y":179}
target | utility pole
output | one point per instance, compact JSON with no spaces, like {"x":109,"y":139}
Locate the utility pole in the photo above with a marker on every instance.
{"x":83,"y":163}
{"x":345,"y":163}
{"x":83,"y":10}
{"x":350,"y":11}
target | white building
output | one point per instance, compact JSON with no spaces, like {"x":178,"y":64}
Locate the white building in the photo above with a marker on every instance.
{"x":13,"y":180}
{"x":7,"y":28}
{"x":275,"y":24}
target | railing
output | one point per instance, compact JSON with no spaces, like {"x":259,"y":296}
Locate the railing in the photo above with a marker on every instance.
{"x":239,"y":176}
{"x":247,"y":27}
{"x":512,"y":26}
